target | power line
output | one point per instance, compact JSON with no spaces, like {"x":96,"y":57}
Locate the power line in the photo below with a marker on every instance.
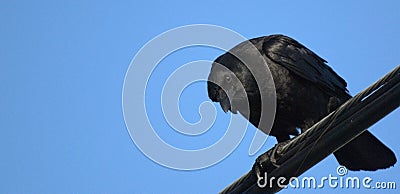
{"x":332,"y":132}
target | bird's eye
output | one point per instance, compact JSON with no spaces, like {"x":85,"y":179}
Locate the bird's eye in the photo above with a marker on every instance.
{"x":228,"y":78}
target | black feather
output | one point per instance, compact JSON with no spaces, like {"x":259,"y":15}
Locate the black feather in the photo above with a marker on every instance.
{"x":307,"y":89}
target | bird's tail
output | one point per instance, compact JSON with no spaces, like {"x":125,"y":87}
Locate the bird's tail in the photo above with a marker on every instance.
{"x":365,"y":152}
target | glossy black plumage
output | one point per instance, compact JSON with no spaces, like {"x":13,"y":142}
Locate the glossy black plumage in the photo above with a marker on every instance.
{"x":305,"y":90}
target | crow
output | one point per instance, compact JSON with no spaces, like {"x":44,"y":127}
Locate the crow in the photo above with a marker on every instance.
{"x":306,"y":91}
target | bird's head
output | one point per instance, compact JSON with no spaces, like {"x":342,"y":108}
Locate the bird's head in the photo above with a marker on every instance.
{"x":229,"y":83}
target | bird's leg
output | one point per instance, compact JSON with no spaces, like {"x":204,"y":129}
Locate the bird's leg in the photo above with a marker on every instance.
{"x":267,"y":161}
{"x":333,"y":104}
{"x":282,"y":138}
{"x":307,"y":124}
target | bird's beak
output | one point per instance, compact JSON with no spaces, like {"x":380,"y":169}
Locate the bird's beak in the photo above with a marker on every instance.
{"x":223,"y":100}
{"x":225,"y":104}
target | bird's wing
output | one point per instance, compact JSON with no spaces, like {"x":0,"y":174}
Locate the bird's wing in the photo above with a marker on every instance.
{"x":303,"y":62}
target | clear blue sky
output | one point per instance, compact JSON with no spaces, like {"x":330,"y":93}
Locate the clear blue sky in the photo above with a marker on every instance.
{"x":62,"y":70}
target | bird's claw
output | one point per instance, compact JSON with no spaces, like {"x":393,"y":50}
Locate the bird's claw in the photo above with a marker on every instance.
{"x":267,"y":161}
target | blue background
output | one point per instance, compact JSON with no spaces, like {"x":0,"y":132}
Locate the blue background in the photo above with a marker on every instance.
{"x":62,"y":70}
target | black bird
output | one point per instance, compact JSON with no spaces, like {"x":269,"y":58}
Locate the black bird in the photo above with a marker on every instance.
{"x":306,"y":88}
